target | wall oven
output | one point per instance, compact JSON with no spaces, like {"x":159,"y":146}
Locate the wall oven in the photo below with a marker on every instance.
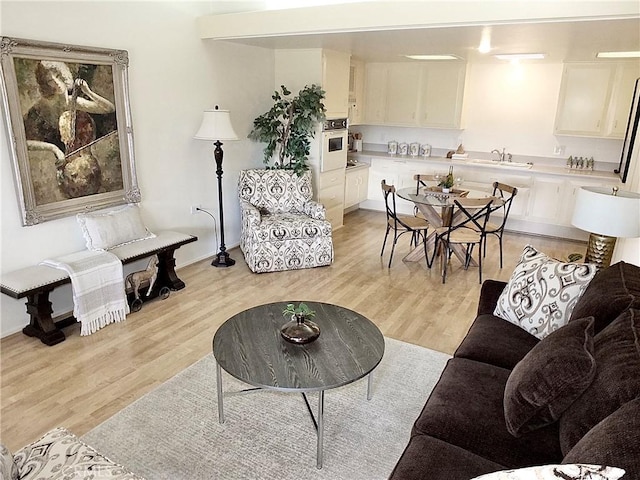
{"x":334,"y":145}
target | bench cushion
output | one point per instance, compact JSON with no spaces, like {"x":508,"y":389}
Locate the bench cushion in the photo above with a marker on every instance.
{"x":22,"y":282}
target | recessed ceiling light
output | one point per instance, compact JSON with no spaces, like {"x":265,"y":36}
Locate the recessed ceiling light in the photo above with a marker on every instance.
{"x":618,"y":55}
{"x":520,"y":56}
{"x":433,"y":57}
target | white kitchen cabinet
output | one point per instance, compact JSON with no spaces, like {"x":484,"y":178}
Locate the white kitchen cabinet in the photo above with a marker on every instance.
{"x":571,"y":188}
{"x":331,"y":195}
{"x":595,"y":98}
{"x":403,"y":87}
{"x":335,"y":83}
{"x":622,"y":95}
{"x":375,"y":93}
{"x":356,"y":92}
{"x":355,"y":186}
{"x":414,"y":94}
{"x":545,"y":204}
{"x":441,"y":93}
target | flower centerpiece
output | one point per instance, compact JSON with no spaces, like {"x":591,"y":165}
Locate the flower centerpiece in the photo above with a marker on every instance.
{"x":300,"y":329}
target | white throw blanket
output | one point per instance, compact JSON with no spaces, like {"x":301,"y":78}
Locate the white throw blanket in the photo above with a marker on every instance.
{"x":97,"y":281}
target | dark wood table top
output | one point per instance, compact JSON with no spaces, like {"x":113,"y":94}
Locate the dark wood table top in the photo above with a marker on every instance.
{"x":249,"y":347}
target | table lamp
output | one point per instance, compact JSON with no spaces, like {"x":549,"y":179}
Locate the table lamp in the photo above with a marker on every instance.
{"x":606,"y":214}
{"x":216,"y":126}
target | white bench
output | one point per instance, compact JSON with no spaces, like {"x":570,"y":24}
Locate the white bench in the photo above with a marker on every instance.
{"x":36,"y":282}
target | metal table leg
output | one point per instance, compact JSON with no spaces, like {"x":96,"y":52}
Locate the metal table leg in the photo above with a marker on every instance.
{"x":219,"y":388}
{"x":369,"y":384}
{"x":320,"y":427}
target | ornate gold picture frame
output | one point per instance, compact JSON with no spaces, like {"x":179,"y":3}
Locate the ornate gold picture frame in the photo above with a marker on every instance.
{"x":68,"y":119}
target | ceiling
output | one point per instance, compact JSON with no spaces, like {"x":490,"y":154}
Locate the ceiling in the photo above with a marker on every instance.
{"x":560,"y":41}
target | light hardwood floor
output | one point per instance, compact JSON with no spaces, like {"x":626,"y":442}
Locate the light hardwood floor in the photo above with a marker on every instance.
{"x":85,"y":380}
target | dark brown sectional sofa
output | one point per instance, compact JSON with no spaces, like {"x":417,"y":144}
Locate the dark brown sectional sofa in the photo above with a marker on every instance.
{"x":462,"y":433}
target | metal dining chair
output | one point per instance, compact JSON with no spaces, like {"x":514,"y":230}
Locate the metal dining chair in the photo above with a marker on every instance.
{"x":421,"y":181}
{"x":401,"y":224}
{"x":506,"y":193}
{"x":472,"y":217}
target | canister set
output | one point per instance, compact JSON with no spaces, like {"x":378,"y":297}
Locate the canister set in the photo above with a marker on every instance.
{"x":414,"y":149}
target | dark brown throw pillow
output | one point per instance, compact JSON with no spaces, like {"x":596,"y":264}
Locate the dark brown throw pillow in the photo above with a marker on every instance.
{"x":550,"y":378}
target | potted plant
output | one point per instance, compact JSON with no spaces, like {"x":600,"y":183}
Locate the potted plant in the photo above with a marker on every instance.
{"x":448,"y":182}
{"x":288,"y":127}
{"x":299,"y":329}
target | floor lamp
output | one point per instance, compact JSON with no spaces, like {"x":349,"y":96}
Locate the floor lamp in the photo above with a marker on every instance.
{"x":606,"y":214}
{"x":216,"y":126}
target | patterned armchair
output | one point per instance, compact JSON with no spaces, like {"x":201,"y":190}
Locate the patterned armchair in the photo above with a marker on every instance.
{"x":282,"y":228}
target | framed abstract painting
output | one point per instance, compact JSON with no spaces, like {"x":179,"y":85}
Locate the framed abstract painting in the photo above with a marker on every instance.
{"x":68,"y":119}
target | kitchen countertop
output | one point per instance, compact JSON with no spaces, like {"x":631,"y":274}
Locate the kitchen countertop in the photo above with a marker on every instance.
{"x":540,"y":167}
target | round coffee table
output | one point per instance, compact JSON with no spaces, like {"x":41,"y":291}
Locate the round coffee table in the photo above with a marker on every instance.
{"x":249,"y":347}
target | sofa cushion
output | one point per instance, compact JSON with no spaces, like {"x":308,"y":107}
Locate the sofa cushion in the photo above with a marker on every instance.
{"x":613,"y":441}
{"x":110,"y":229}
{"x":542,"y":292}
{"x":556,"y":472}
{"x":428,"y":457}
{"x":492,"y":340}
{"x":60,"y":455}
{"x":466,"y":409}
{"x":290,"y":226}
{"x":617,"y":380}
{"x":8,"y":467}
{"x":611,"y":292}
{"x":550,"y":378}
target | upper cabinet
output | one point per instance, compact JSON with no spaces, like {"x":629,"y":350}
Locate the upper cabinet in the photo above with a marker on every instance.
{"x":595,"y":98}
{"x":414,"y":94}
{"x":335,"y":83}
{"x":356,"y":92}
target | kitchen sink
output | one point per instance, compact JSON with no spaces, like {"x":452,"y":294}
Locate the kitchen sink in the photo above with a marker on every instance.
{"x":497,"y":163}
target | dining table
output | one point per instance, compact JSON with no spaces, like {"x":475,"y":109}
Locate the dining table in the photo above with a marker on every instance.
{"x":438,"y":208}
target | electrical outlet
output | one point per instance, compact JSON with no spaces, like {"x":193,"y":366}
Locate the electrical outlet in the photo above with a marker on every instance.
{"x":558,"y":150}
{"x":195,"y":208}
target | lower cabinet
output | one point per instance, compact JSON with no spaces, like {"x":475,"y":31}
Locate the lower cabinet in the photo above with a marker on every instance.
{"x":356,"y":185}
{"x":331,"y":195}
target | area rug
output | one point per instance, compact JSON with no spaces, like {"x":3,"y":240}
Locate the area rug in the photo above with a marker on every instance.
{"x":173,"y":431}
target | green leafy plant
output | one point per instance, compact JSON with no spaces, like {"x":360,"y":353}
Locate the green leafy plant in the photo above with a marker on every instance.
{"x":302,"y":310}
{"x":448,"y":181}
{"x":288,"y":127}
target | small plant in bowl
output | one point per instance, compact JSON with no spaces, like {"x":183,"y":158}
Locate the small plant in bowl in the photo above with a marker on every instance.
{"x":448,"y":182}
{"x":301,"y":311}
{"x":299,"y":329}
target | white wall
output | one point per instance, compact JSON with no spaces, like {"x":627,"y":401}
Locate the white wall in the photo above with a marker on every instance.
{"x":506,"y":106}
{"x":173,"y":77}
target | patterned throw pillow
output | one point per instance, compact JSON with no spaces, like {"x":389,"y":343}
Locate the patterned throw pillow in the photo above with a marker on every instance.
{"x":542,"y":292}
{"x":8,"y":467}
{"x":557,"y":472}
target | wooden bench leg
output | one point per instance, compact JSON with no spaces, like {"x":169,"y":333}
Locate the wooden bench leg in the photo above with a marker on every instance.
{"x":166,"y":272}
{"x":41,"y":323}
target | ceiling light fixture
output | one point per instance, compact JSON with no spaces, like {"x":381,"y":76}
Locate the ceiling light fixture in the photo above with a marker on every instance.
{"x":433,"y":57}
{"x":520,"y":56}
{"x":618,"y":54}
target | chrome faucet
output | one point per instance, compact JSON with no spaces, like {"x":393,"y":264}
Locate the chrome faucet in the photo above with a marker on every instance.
{"x":502,"y":156}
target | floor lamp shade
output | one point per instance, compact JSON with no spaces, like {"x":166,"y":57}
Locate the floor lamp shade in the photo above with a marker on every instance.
{"x":216,"y":126}
{"x":606,"y":214}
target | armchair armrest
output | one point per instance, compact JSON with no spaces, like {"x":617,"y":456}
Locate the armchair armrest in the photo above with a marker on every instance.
{"x":250,"y":214}
{"x":489,"y":294}
{"x":314,"y":210}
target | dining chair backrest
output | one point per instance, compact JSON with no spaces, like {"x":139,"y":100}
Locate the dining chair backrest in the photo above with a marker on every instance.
{"x":506,"y":193}
{"x":474,"y":213}
{"x":389,"y":192}
{"x":421,"y":180}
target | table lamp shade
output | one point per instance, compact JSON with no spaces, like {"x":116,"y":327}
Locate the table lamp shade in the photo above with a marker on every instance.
{"x":216,"y":125}
{"x":598,"y":210}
